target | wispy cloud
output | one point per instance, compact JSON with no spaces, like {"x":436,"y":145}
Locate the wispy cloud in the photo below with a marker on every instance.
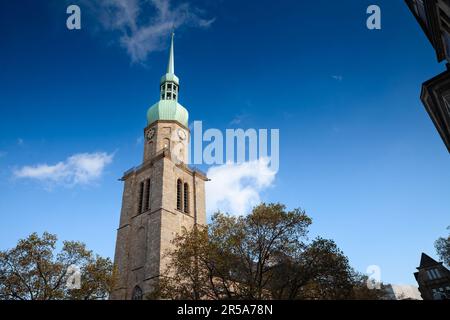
{"x":144,"y":25}
{"x":338,"y":77}
{"x":139,"y":140}
{"x":239,"y":118}
{"x":82,"y":168}
{"x":236,"y":188}
{"x":20,"y":142}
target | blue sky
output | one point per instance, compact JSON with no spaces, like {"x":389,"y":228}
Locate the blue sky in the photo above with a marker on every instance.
{"x":358,"y":151}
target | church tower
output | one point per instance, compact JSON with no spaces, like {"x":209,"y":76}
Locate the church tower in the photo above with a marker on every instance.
{"x":160,"y":197}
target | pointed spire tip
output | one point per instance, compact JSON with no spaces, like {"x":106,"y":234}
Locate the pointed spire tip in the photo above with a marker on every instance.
{"x":171,"y":65}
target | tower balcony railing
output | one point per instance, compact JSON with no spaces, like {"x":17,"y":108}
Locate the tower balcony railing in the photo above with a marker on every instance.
{"x":161,"y":153}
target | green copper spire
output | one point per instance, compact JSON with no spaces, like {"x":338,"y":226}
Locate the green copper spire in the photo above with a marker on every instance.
{"x":168,"y":107}
{"x":170,"y":75}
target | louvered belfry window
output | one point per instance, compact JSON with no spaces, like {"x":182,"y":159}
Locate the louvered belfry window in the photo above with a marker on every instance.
{"x":179,"y":194}
{"x":186,"y":198}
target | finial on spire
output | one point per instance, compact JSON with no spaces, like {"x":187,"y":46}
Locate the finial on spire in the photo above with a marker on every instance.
{"x":171,"y":65}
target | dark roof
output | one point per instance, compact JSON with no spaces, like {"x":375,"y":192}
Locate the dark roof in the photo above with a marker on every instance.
{"x":427,"y":261}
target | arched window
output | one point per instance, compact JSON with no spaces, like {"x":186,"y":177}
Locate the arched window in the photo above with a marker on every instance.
{"x":137,"y":293}
{"x":141,"y":196}
{"x":186,"y":198}
{"x":147,"y":195}
{"x":179,"y":194}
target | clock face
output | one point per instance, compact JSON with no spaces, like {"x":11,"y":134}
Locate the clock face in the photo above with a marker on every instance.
{"x":150,"y":134}
{"x":181,"y":134}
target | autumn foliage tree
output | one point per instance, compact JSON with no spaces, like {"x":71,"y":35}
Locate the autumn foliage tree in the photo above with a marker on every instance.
{"x":265,"y":255}
{"x":34,"y":271}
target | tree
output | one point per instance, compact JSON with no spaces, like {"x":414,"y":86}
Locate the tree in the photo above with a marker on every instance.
{"x":264,"y":255}
{"x":442,"y":246}
{"x":188,"y":275}
{"x":33,"y":271}
{"x":251,"y":246}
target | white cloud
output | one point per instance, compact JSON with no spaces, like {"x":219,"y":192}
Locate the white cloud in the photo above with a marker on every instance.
{"x":142,"y":32}
{"x":20,"y":141}
{"x":82,"y":168}
{"x":338,"y":77}
{"x":236,"y":188}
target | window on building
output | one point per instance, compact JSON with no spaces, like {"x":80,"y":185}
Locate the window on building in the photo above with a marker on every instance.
{"x":147,"y":195}
{"x":445,"y":20}
{"x":179,"y":194}
{"x":186,"y":198}
{"x":169,"y":86}
{"x":447,"y":102}
{"x":436,"y":273}
{"x":137,"y":293}
{"x":174,"y":97}
{"x":446,"y":38}
{"x":433,"y":274}
{"x":141,"y":195}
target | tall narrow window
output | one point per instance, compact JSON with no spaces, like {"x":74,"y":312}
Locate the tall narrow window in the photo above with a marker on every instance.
{"x":141,"y":195}
{"x":137,"y":293}
{"x":179,"y":194}
{"x":186,"y":198}
{"x":147,"y":195}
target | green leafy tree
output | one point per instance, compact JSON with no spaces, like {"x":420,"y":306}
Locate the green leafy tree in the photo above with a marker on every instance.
{"x":33,"y":271}
{"x":443,"y":248}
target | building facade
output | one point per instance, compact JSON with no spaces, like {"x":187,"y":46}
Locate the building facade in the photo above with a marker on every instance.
{"x":434,"y":18}
{"x":161,"y":196}
{"x":433,"y":279}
